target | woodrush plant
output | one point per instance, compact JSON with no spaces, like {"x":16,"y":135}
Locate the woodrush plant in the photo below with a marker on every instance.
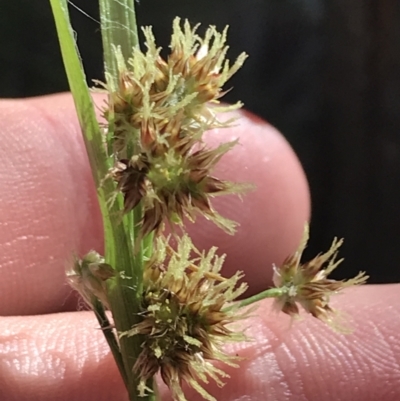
{"x":172,"y":310}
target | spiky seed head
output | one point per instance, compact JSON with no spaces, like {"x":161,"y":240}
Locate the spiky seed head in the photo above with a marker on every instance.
{"x":185,"y":318}
{"x":172,"y":187}
{"x":160,"y":111}
{"x":167,"y":100}
{"x":307,"y":284}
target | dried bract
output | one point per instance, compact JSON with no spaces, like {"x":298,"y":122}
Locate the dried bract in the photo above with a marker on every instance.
{"x":88,"y":276}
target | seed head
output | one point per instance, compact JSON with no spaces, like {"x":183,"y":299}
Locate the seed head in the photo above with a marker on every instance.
{"x":308,"y":284}
{"x":160,"y":111}
{"x":168,"y":101}
{"x":185,"y":319}
{"x":172,"y":187}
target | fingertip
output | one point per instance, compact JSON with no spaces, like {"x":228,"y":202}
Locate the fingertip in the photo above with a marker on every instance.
{"x":57,"y":357}
{"x":49,"y":209}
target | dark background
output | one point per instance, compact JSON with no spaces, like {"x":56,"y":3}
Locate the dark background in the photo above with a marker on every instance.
{"x":326,"y":73}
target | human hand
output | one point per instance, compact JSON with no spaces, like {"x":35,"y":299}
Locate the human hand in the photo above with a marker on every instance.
{"x":48,"y":210}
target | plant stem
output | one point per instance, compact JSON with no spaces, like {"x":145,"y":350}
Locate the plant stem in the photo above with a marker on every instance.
{"x":270,"y":293}
{"x":118,"y":28}
{"x":125,"y":288}
{"x":108,"y":332}
{"x":118,"y":252}
{"x":148,"y":245}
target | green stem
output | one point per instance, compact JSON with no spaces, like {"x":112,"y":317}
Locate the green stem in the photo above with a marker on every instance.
{"x":271,"y":293}
{"x":125,"y":288}
{"x":118,"y":28}
{"x":117,"y":246}
{"x":108,"y":332}
{"x":148,"y":241}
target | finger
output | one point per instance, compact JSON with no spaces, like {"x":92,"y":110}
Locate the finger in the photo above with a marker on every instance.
{"x":49,"y":209}
{"x":63,"y":357}
{"x":56,"y":357}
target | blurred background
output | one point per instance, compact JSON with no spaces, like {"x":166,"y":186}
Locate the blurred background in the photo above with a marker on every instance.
{"x":326,"y":73}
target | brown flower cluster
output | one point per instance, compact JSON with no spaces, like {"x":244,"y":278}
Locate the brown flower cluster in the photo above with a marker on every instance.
{"x":159,"y":113}
{"x":308,"y":284}
{"x":186,"y":319}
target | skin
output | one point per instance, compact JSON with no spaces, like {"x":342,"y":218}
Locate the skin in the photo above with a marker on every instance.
{"x":48,"y":210}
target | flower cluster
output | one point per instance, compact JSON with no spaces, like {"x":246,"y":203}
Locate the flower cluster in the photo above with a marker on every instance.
{"x":186,"y":315}
{"x":308,"y":284}
{"x":159,"y":113}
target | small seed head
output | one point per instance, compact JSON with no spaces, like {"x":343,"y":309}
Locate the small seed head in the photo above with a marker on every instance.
{"x":308,"y":284}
